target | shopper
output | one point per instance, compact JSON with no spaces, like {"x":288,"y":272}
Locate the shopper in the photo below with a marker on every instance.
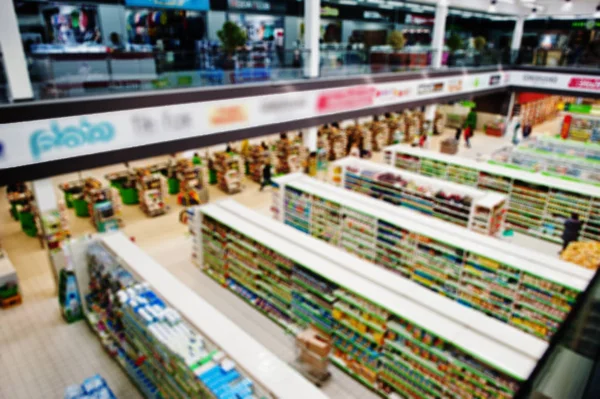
{"x":423,"y":141}
{"x":468,"y":134}
{"x":458,"y":134}
{"x":572,"y":227}
{"x":228,"y":148}
{"x":526,"y":131}
{"x":266,"y":176}
{"x":196,"y":160}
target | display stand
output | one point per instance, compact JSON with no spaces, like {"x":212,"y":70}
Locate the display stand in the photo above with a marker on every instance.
{"x":152,"y":189}
{"x":580,"y":127}
{"x":76,"y":192}
{"x":290,"y":156}
{"x":538,"y":204}
{"x":55,"y":228}
{"x":193,"y":189}
{"x":379,"y":134}
{"x":258,"y":157}
{"x":9,"y":283}
{"x":229,"y":175}
{"x":337,"y":142}
{"x":168,"y":339}
{"x":126,"y":183}
{"x":387,"y":341}
{"x":465,"y":206}
{"x":447,"y":259}
{"x":396,"y":125}
{"x":104,"y":206}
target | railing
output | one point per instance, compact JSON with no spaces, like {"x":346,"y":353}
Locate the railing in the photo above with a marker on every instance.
{"x":88,"y":74}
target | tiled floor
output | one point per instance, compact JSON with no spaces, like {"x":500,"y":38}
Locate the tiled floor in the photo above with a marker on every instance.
{"x":40,"y":354}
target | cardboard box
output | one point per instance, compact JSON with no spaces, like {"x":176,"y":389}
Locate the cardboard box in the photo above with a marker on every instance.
{"x":312,"y":341}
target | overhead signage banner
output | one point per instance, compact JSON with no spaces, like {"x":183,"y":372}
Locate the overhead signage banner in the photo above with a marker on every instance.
{"x":196,"y":5}
{"x":52,"y":139}
{"x":555,"y":81}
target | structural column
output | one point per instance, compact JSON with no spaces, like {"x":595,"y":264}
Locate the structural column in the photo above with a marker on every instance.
{"x":516,"y":39}
{"x":309,"y":138}
{"x":13,"y":55}
{"x":439,"y":33}
{"x":312,"y":15}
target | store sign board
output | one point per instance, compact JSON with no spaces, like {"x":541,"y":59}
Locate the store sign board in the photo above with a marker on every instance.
{"x":52,"y":139}
{"x":330,"y":12}
{"x":557,"y":81}
{"x":455,"y":85}
{"x":495,"y":80}
{"x":196,"y":5}
{"x":255,"y":5}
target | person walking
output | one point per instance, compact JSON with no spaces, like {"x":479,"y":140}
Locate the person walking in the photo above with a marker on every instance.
{"x":572,"y":227}
{"x":266,"y":176}
{"x":468,"y":133}
{"x":458,"y":134}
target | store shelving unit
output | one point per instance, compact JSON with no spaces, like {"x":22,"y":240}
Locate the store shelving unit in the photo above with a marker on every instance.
{"x":465,"y":206}
{"x":229,"y":175}
{"x":257,"y":159}
{"x":388,"y":342}
{"x":152,"y":189}
{"x":380,"y":135}
{"x":538,"y":204}
{"x":548,"y":163}
{"x":290,"y":156}
{"x":169,"y":340}
{"x":581,"y":127}
{"x":448,"y":260}
{"x":562,"y":146}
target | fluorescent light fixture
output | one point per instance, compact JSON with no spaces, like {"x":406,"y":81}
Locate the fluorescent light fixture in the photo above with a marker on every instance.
{"x":376,"y":1}
{"x":348,"y":2}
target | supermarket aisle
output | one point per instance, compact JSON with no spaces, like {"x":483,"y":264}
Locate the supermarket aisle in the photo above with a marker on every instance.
{"x":41,"y":354}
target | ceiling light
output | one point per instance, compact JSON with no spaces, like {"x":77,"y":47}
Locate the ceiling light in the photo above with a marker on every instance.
{"x":348,"y":2}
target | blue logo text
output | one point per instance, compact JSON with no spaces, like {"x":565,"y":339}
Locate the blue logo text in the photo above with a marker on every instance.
{"x":42,"y":140}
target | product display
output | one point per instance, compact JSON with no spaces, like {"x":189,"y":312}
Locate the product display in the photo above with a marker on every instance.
{"x":538,"y":204}
{"x":68,"y":296}
{"x":396,"y":126}
{"x":192,"y":187}
{"x":258,"y":157}
{"x":388,"y":342}
{"x":9,"y":282}
{"x":104,"y":205}
{"x":337,"y":141}
{"x":55,"y":229}
{"x":583,"y":128}
{"x":538,"y":111}
{"x":361,"y":137}
{"x":585,"y":254}
{"x":94,"y":387}
{"x":512,"y":290}
{"x":570,"y":167}
{"x":229,"y":174}
{"x":290,"y":156}
{"x":152,"y":189}
{"x":475,"y":209}
{"x":561,"y":146}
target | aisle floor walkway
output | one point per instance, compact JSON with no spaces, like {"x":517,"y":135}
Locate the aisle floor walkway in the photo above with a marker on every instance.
{"x":40,"y":354}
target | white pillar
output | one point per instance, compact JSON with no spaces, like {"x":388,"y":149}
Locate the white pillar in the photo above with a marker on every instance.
{"x":45,"y":197}
{"x":15,"y":63}
{"x":309,"y":138}
{"x":516,"y":38}
{"x":312,"y":14}
{"x":430,"y":112}
{"x":511,"y":106}
{"x":439,"y":33}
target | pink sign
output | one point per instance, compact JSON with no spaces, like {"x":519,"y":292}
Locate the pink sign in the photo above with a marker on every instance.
{"x":585,"y":83}
{"x":346,"y":99}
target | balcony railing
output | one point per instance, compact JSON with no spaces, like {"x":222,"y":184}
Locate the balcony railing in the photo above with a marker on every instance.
{"x":72,"y":75}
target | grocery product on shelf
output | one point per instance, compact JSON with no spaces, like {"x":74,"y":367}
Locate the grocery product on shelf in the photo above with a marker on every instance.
{"x":538,"y":204}
{"x":290,"y":155}
{"x":152,"y":189}
{"x":360,"y":136}
{"x":536,"y":112}
{"x":551,"y":164}
{"x":478,"y":210}
{"x":104,"y":205}
{"x":94,"y":387}
{"x":338,"y":141}
{"x":229,"y":174}
{"x":583,"y":128}
{"x":504,"y":287}
{"x":257,"y":158}
{"x":192,"y":186}
{"x":585,"y":254}
{"x":164,"y":354}
{"x":563,"y":146}
{"x":387,"y":342}
{"x":379,"y":133}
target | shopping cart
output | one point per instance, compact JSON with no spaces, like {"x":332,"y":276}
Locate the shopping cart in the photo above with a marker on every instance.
{"x":312,"y":356}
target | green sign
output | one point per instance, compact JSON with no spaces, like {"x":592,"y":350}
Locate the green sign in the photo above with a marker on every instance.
{"x":468,"y":104}
{"x":161,"y":83}
{"x":589,"y":24}
{"x":184,"y":81}
{"x":578,"y":108}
